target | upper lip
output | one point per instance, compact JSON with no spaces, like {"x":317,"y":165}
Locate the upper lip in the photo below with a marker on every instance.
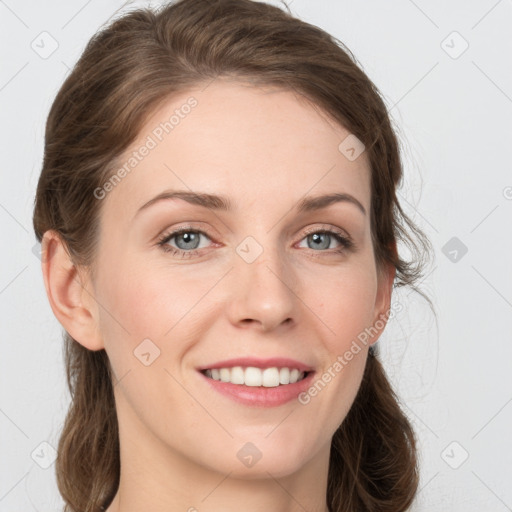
{"x":273,"y":362}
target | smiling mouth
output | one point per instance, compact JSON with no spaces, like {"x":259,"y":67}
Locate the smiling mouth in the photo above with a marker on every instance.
{"x":256,"y":377}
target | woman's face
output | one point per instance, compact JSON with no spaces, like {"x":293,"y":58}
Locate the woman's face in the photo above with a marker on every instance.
{"x":254,"y":285}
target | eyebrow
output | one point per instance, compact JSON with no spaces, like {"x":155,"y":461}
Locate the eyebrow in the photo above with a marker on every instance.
{"x":222,"y":203}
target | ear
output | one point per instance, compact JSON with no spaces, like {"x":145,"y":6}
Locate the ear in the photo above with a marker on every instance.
{"x":385,"y":280}
{"x":69,"y":292}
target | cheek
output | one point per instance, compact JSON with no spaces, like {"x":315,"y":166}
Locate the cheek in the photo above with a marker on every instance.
{"x":347,"y":309}
{"x":347,"y":306}
{"x":130,"y":306}
{"x":348,"y":312}
{"x":142,"y":301}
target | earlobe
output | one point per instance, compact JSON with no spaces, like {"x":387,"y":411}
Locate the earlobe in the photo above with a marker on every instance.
{"x":67,"y":289}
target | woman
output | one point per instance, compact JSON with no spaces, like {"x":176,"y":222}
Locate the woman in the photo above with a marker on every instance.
{"x":218,"y":212}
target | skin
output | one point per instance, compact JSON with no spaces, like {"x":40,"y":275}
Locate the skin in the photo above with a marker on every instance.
{"x":265,"y":149}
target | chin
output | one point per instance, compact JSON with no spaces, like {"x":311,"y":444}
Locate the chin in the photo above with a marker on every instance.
{"x":263,"y":469}
{"x":250,"y":460}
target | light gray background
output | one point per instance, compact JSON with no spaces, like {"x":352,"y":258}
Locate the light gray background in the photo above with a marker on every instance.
{"x":453,"y":111}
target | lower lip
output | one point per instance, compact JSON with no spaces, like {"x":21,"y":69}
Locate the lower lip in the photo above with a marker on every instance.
{"x":259,"y":396}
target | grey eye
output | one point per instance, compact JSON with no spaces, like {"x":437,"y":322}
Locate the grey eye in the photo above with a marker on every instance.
{"x":318,"y":243}
{"x":190,"y":240}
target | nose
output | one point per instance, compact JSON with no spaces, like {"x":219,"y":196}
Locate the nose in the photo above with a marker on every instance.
{"x":262,"y":293}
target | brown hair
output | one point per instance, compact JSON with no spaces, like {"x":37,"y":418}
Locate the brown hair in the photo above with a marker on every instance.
{"x":126,"y":71}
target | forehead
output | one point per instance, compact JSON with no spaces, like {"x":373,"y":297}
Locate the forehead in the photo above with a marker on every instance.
{"x":264,"y":146}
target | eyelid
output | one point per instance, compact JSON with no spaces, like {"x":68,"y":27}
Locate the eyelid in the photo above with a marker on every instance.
{"x":326,"y":227}
{"x":186,"y":227}
{"x":170,"y":234}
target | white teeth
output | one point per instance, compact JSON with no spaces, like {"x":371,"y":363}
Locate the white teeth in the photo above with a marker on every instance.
{"x":237,"y":375}
{"x":254,"y":377}
{"x":270,"y":378}
{"x":284,"y":376}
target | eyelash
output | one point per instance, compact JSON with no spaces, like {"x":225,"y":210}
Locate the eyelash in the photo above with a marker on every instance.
{"x":345,"y":241}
